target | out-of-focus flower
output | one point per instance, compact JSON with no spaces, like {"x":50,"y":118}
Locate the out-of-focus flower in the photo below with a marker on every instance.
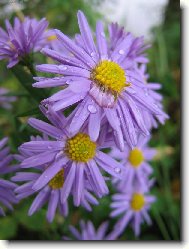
{"x":52,"y":41}
{"x":51,"y":192}
{"x":102,"y":80}
{"x":7,"y":197}
{"x":78,"y":156}
{"x":21,"y":39}
{"x":6,"y":101}
{"x":133,"y":206}
{"x":88,"y":232}
{"x":136,"y":164}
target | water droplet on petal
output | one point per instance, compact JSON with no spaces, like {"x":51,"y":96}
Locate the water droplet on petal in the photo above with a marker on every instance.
{"x":93,"y":54}
{"x":146,"y":92}
{"x":63,"y":67}
{"x":121,"y":51}
{"x":102,"y":34}
{"x":68,"y":81}
{"x":49,"y":147}
{"x":92,"y":109}
{"x":117,"y":170}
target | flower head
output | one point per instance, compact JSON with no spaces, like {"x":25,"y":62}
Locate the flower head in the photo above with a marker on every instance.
{"x":51,"y":192}
{"x":7,"y":197}
{"x":89,"y":233}
{"x":6,"y":101}
{"x":78,"y":156}
{"x":24,"y":37}
{"x":136,"y":163}
{"x":133,"y":206}
{"x":102,"y":80}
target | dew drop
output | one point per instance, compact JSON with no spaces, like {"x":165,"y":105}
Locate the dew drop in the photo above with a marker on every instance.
{"x":131,"y":91}
{"x":63,"y":67}
{"x":121,"y":51}
{"x":146,"y":92}
{"x":92,"y":109}
{"x":49,"y":147}
{"x":102,"y":34}
{"x":92,"y":54}
{"x":68,"y":81}
{"x":117,"y":170}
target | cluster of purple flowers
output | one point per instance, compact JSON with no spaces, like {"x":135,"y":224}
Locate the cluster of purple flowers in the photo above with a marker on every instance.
{"x":103,"y":83}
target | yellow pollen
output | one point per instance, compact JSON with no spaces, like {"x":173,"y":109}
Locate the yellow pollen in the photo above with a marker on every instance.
{"x":11,"y":45}
{"x":51,"y":37}
{"x":58,"y":180}
{"x":80,"y":148}
{"x":137,"y":202}
{"x":109,"y":76}
{"x":136,"y":157}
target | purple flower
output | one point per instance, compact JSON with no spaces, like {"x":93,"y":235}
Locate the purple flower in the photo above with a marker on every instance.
{"x":88,"y":232}
{"x":78,"y":156}
{"x":136,"y":52}
{"x":51,"y":192}
{"x":7,"y":196}
{"x":21,"y":39}
{"x":133,"y":206}
{"x":102,"y":79}
{"x":6,"y":101}
{"x":136,"y":163}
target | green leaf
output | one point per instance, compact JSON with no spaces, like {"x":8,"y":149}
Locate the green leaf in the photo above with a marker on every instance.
{"x":8,"y":228}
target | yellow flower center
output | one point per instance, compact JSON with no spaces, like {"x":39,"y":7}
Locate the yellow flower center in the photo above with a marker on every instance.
{"x":137,"y":202}
{"x":80,"y":148}
{"x":51,"y":37}
{"x":12,"y":47}
{"x":58,"y":180}
{"x":109,"y":76}
{"x":136,"y":157}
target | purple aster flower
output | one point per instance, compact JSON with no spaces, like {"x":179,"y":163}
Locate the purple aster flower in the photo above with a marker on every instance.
{"x":88,"y":232}
{"x":136,"y":163}
{"x":52,"y":41}
{"x":6,"y":101}
{"x":133,"y":206}
{"x":51,"y":192}
{"x":21,"y":39}
{"x":79,"y":156}
{"x":7,"y":197}
{"x":98,"y":77}
{"x":136,"y":51}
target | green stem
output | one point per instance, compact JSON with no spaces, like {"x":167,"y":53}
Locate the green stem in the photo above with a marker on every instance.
{"x":161,"y":225}
{"x":26,"y":80}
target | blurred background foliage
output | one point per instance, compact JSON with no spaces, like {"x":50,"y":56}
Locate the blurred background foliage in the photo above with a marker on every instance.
{"x":164,"y":67}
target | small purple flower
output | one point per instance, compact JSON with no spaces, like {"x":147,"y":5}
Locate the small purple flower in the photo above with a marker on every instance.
{"x":102,"y":78}
{"x":79,"y":156}
{"x":88,"y":232}
{"x":7,"y":196}
{"x":133,"y":206}
{"x":136,"y":163}
{"x":50,"y":193}
{"x":22,"y":39}
{"x":6,"y":101}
